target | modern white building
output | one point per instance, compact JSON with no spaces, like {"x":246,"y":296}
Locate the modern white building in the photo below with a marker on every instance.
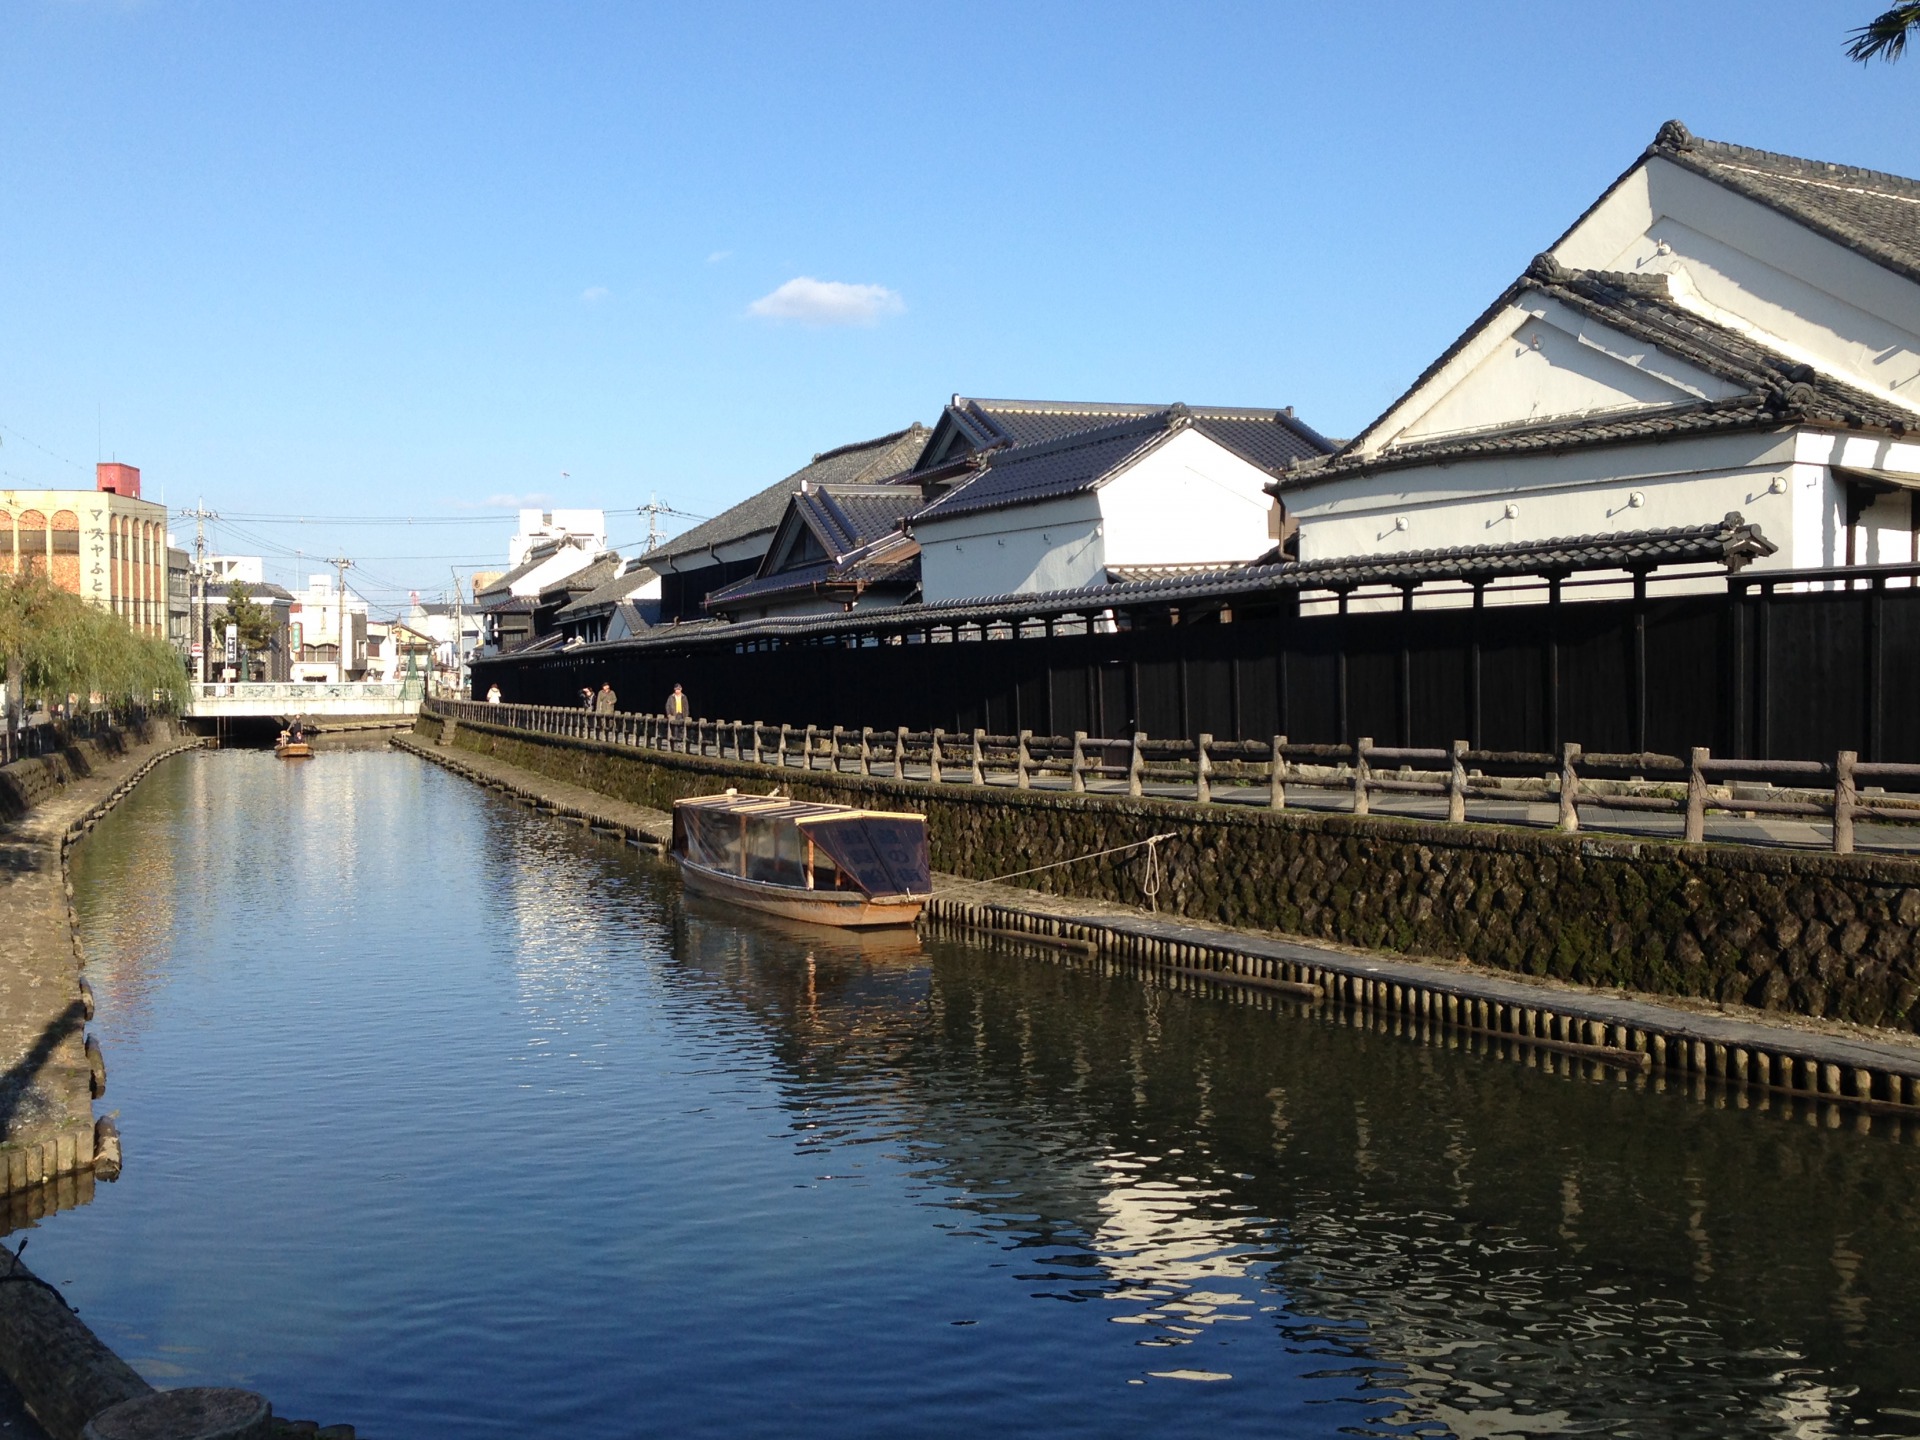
{"x":1724,"y":330}
{"x":587,"y":528}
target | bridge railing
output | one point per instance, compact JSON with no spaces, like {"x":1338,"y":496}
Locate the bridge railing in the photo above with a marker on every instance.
{"x":297,"y":690}
{"x":1571,"y":781}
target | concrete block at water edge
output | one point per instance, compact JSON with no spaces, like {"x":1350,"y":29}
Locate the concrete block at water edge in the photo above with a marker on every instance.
{"x":199,"y":1413}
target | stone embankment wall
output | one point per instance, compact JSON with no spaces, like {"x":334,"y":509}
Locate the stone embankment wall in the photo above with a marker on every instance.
{"x":1813,"y":934}
{"x":51,"y":1071}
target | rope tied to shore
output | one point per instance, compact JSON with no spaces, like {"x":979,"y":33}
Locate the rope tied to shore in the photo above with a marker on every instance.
{"x":18,"y":1274}
{"x":1149,"y":884}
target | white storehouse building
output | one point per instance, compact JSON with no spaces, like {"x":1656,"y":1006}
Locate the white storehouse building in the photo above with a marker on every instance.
{"x":1724,"y":330}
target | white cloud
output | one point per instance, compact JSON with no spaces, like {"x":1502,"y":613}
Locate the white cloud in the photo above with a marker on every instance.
{"x":717,"y":256}
{"x":808,"y":301}
{"x":595,"y":294}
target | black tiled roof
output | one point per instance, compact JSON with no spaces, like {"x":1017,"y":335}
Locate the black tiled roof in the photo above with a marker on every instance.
{"x":611,"y":591}
{"x":845,"y":517}
{"x":864,"y":461}
{"x":1874,"y":213}
{"x":1267,"y":438}
{"x":587,"y":579}
{"x":1065,"y":465}
{"x":1732,"y":542}
{"x":1776,"y":390}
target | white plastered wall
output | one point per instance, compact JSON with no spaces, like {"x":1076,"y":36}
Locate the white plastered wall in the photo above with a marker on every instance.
{"x":1744,"y":264}
{"x":1541,"y":497}
{"x":1189,"y":501}
{"x":1022,"y":549}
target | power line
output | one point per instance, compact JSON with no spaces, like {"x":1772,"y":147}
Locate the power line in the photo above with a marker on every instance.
{"x":41,"y":448}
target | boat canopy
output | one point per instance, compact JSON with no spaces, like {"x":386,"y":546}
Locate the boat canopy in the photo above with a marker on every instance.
{"x":796,"y":843}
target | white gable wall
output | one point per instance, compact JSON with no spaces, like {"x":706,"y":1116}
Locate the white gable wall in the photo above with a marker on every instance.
{"x":1022,"y":549}
{"x":1188,"y":501}
{"x":1554,"y":363}
{"x":1191,"y":501}
{"x":1750,"y":266}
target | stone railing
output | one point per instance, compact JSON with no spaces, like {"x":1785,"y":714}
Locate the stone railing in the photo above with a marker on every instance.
{"x":1573,"y":780}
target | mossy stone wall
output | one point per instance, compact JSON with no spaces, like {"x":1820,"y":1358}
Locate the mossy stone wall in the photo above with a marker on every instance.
{"x":1813,"y":934}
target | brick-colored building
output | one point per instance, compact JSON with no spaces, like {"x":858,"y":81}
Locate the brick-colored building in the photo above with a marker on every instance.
{"x":105,"y":544}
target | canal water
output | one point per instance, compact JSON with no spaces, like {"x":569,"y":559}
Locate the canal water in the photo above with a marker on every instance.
{"x":445,"y":1118}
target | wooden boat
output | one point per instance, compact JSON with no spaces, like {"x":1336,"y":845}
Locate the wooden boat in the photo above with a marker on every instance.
{"x":822,"y":864}
{"x":292,"y":749}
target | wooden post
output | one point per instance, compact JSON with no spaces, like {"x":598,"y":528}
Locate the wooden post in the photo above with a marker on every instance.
{"x":1022,"y":759}
{"x":1277,"y":774}
{"x":1362,"y":773}
{"x":1569,"y":789}
{"x":900,"y":753}
{"x":866,"y":750}
{"x":756,"y":742}
{"x":1844,"y":799}
{"x":1203,"y":770}
{"x":979,"y":747}
{"x":1457,"y":784}
{"x":1696,"y":830}
{"x":933,"y":755}
{"x":1079,"y":762}
{"x":1137,"y":765}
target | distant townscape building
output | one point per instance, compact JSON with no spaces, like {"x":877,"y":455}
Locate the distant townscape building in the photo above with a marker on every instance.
{"x":328,"y":633}
{"x":106,"y":544}
{"x":584,"y":528}
{"x":1724,"y":330}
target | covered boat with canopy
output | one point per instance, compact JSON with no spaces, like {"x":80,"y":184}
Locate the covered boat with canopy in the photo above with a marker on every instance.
{"x":828,"y":864}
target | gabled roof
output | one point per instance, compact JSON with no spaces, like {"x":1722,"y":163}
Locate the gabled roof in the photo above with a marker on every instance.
{"x":1867,"y":211}
{"x":610,"y":592}
{"x":863,"y":461}
{"x":1267,"y":438}
{"x":491,"y":592}
{"x":1775,"y":390}
{"x":859,"y":529}
{"x":585,"y":580}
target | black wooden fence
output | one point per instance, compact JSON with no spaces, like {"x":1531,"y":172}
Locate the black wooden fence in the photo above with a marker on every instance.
{"x":1779,"y":664}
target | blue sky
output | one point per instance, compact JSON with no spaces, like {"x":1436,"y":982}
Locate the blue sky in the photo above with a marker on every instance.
{"x":411,"y":259}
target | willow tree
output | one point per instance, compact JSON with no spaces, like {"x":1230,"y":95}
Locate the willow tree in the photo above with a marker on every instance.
{"x":55,"y":644}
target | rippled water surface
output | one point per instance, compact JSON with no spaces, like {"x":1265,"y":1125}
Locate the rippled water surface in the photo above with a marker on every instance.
{"x":447,"y":1119}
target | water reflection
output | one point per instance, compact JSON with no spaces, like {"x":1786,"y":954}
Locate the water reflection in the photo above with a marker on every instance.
{"x":781,"y":1181}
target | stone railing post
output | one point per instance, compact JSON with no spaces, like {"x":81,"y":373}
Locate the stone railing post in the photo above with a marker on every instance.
{"x":1137,"y":766}
{"x":866,"y":750}
{"x":1845,"y":796}
{"x":1569,"y":789}
{"x":1696,"y":822}
{"x":1023,"y":758}
{"x":1362,"y":774}
{"x":933,"y":755}
{"x":978,"y":777}
{"x":807,"y":754}
{"x":833,"y":754}
{"x":1277,"y":774}
{"x":1457,"y":784}
{"x":1079,"y":762}
{"x":756,"y":742}
{"x":1203,"y":770}
{"x":780,"y":755}
{"x":738,"y":753}
{"x":900,"y":753}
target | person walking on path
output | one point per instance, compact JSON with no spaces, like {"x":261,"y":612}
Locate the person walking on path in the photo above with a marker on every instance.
{"x":677,"y":712}
{"x":605,"y":700}
{"x":493,"y":695}
{"x":586,"y":697}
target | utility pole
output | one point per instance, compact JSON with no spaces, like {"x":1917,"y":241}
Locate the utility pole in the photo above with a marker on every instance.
{"x":200,"y":515}
{"x":653,"y":510}
{"x":342,"y":564}
{"x":459,"y":639}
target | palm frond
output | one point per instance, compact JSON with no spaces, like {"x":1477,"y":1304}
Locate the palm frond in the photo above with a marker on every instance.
{"x":1885,"y":36}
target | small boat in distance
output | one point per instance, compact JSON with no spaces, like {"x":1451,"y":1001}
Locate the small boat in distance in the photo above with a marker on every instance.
{"x":824,"y":864}
{"x":292,"y":744}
